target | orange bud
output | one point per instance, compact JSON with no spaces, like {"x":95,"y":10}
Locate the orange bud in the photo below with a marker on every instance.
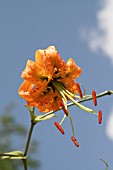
{"x":59,"y":127}
{"x":99,"y":116}
{"x":94,"y":97}
{"x":74,"y":141}
{"x":64,"y":109}
{"x":79,"y":90}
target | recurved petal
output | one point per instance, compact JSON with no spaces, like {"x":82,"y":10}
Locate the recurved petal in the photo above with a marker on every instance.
{"x":33,"y":72}
{"x":50,"y":51}
{"x":57,"y":62}
{"x":24,"y":89}
{"x":73,"y":71}
{"x":55,"y":57}
{"x":38,"y":89}
{"x":39,"y":57}
{"x":56,"y":103}
{"x":45,"y":59}
{"x":48,"y":101}
{"x":48,"y":66}
{"x":36,"y":93}
{"x":51,"y":61}
{"x":71,"y":86}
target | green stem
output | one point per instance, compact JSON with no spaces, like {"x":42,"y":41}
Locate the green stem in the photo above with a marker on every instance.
{"x":108,"y":92}
{"x":62,"y":119}
{"x":105,"y":163}
{"x":29,"y":138}
{"x":25,"y":164}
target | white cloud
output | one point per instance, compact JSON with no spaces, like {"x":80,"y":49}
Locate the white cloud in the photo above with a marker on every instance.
{"x":109,"y":125}
{"x":102,"y":36}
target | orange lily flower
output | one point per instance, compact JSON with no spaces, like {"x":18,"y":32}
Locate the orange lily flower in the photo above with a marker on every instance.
{"x":48,"y":80}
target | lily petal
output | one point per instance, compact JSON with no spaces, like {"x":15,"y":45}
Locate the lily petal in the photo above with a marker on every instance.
{"x":73,"y":70}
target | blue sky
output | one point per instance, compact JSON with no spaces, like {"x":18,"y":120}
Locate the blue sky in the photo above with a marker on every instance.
{"x":81,"y":30}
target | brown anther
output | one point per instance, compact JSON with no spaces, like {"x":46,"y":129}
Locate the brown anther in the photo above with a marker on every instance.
{"x":99,"y":116}
{"x":59,"y":127}
{"x":94,"y":97}
{"x":63,"y":107}
{"x":74,"y":141}
{"x":79,"y":90}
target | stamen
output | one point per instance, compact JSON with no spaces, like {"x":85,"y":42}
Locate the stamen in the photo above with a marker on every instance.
{"x":62,"y":119}
{"x":74,"y":141}
{"x":63,"y":93}
{"x":68,"y":92}
{"x":64,"y":108}
{"x":94,"y":97}
{"x":59,"y":127}
{"x":79,"y":90}
{"x":57,"y":87}
{"x":99,"y":116}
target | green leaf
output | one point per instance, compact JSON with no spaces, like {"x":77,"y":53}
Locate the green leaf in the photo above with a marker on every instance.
{"x":12,"y":155}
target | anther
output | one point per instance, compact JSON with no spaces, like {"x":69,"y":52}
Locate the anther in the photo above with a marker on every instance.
{"x":99,"y":116}
{"x":64,"y":109}
{"x":59,"y":127}
{"x":94,"y":97}
{"x":79,"y":90}
{"x":74,"y":141}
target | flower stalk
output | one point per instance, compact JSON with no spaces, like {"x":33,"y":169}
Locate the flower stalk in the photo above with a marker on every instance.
{"x":29,"y":138}
{"x":25,"y":164}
